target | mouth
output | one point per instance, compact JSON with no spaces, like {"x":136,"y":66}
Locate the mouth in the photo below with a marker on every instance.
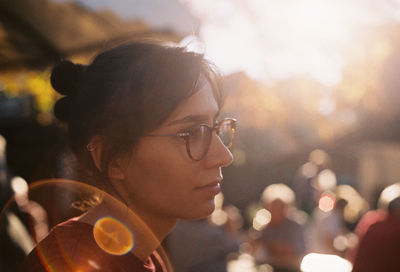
{"x":212,"y":188}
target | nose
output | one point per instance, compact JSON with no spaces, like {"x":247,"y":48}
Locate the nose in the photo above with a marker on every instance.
{"x":218,"y":154}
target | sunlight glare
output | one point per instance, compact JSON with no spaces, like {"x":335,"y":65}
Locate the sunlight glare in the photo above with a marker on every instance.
{"x":276,"y":40}
{"x":314,"y":262}
{"x":326,"y":106}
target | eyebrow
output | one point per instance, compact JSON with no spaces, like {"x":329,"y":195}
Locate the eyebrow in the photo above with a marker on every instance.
{"x":195,"y":118}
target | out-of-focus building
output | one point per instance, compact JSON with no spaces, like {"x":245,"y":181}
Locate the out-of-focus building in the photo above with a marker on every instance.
{"x":35,"y":34}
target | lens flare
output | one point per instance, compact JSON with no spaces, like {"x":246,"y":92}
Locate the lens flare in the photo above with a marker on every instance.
{"x":326,"y":202}
{"x":112,"y":236}
{"x":62,"y":197}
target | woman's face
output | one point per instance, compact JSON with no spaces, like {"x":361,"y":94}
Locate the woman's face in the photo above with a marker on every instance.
{"x":161,"y":180}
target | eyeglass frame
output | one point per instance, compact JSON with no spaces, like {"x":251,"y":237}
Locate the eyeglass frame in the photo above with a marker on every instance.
{"x":185,"y":136}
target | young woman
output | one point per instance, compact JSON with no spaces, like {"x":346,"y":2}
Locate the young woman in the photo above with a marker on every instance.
{"x":143,"y":121}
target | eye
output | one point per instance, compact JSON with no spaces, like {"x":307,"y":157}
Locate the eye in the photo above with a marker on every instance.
{"x":195,"y":133}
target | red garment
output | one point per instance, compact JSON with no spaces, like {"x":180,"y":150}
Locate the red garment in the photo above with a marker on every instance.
{"x":379,"y":249}
{"x":70,"y":246}
{"x":368,"y":219}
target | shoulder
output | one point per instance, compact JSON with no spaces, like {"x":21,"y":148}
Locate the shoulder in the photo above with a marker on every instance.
{"x":63,"y":247}
{"x":71,"y":246}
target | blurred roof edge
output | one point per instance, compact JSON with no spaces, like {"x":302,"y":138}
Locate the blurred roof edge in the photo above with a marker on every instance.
{"x":38,"y":33}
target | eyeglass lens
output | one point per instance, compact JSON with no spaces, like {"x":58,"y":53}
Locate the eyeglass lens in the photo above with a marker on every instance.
{"x":200,"y":138}
{"x":225,"y":132}
{"x":199,"y":141}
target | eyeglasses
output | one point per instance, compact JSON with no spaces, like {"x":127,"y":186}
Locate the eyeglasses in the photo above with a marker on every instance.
{"x":198,"y":138}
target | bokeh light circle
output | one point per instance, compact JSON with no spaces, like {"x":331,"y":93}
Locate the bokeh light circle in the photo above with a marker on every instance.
{"x":113,"y":236}
{"x":326,"y":202}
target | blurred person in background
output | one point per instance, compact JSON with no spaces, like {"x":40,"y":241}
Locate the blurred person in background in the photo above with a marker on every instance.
{"x":206,"y":244}
{"x":20,"y":224}
{"x":283,"y":237}
{"x":379,"y":233}
{"x":143,"y":121}
{"x":11,"y":251}
{"x":307,"y":181}
{"x":365,"y":221}
{"x":199,"y":245}
{"x":371,"y":217}
{"x":325,"y":226}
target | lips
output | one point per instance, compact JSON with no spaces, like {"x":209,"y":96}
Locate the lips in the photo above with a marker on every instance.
{"x":212,"y":188}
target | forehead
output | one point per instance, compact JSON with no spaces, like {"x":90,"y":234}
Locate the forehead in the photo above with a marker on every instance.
{"x":201,"y":102}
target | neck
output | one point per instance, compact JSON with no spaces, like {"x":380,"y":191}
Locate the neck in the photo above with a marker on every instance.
{"x":160,"y":224}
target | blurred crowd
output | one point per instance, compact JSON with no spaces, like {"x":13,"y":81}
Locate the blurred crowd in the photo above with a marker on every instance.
{"x":311,"y":223}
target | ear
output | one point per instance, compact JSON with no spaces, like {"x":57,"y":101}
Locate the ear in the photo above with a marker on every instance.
{"x":95,"y":147}
{"x":116,"y":166}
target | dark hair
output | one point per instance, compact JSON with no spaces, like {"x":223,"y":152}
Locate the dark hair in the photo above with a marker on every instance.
{"x":125,"y":93}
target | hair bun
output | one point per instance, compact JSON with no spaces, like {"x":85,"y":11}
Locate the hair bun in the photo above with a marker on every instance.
{"x":62,"y":109}
{"x":65,"y":76}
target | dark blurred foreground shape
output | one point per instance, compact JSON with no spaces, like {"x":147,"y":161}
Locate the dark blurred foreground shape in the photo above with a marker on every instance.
{"x":379,"y":246}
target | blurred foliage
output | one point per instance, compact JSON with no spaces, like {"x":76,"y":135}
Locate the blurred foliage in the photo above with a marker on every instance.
{"x":35,"y":84}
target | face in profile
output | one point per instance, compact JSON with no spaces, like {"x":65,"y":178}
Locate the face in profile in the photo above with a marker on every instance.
{"x":159,"y":177}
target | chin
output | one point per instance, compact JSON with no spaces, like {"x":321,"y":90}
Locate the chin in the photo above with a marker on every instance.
{"x":201,"y":211}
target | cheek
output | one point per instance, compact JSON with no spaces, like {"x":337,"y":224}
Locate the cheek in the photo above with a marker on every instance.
{"x":168,"y":188}
{"x":160,"y":171}
{"x":164,"y":183}
{"x":165,"y":162}
{"x":169,"y":178}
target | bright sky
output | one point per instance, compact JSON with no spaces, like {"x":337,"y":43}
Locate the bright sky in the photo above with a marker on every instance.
{"x":166,"y":14}
{"x":268,"y":39}
{"x":279,"y":39}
